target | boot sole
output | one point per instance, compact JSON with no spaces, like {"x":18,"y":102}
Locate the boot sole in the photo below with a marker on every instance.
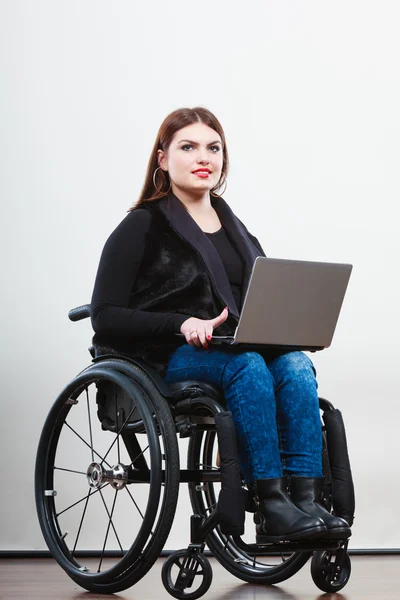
{"x":304,"y":534}
{"x":338,"y":533}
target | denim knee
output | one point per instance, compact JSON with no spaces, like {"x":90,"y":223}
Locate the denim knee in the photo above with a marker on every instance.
{"x":293,"y":366}
{"x":295,"y":361}
{"x":251,"y":362}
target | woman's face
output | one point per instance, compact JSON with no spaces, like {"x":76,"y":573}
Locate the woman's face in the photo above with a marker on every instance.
{"x":193,"y":148}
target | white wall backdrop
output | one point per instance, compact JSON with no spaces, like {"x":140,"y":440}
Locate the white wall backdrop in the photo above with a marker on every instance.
{"x":308,"y":93}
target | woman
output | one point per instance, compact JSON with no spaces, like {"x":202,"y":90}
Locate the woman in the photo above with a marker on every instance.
{"x":180,"y":262}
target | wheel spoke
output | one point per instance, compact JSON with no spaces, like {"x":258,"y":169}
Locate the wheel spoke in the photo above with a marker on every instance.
{"x":69,"y":470}
{"x":139,"y":455}
{"x":208,"y":467}
{"x":80,"y":524}
{"x":89,"y":446}
{"x":110,"y":517}
{"x":134,"y":502}
{"x":108,"y":528}
{"x":81,"y":500}
{"x":140,"y":512}
{"x":118,"y":434}
{"x":90,"y":422}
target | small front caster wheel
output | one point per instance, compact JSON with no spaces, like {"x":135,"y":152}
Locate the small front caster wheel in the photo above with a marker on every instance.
{"x":184,"y":570}
{"x":330,"y":570}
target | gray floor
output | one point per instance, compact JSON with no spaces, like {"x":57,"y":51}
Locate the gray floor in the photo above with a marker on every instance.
{"x":372,"y":577}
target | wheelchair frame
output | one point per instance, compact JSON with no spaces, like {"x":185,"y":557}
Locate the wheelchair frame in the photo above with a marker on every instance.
{"x":134,"y":402}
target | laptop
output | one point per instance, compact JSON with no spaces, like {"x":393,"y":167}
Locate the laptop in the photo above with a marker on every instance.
{"x":290,"y":304}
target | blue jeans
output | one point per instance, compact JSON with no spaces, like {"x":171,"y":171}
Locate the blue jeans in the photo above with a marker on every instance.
{"x":274,"y":404}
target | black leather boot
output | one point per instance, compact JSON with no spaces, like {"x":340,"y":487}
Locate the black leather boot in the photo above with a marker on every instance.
{"x":306,"y":494}
{"x":278,"y":519}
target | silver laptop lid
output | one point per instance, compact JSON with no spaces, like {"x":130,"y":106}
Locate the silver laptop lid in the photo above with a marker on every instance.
{"x":292,"y":303}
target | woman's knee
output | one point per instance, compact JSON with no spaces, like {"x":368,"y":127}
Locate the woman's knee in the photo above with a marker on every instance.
{"x":294,"y":361}
{"x":247,"y":364}
{"x":293,"y":366}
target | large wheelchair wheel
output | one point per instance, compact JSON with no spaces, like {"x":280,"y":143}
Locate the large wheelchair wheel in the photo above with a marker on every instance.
{"x":107,"y":489}
{"x":234,"y":554}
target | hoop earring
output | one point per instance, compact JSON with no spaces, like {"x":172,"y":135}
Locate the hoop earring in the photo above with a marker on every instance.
{"x":219,"y":195}
{"x":154,"y":183}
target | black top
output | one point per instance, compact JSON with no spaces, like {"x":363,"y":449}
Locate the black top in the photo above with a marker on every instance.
{"x":119,"y":265}
{"x":232,"y":262}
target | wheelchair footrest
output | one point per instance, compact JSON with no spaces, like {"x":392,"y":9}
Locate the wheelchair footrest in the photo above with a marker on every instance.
{"x":268,"y":548}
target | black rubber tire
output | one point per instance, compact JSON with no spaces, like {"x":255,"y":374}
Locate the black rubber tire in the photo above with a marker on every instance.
{"x":225,"y":550}
{"x":322,"y":572}
{"x":181,"y":594}
{"x":158,"y":421}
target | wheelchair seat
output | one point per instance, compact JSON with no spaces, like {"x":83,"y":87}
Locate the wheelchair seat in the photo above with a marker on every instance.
{"x":193,"y":389}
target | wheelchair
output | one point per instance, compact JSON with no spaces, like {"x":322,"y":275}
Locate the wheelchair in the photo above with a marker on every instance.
{"x":107,"y":476}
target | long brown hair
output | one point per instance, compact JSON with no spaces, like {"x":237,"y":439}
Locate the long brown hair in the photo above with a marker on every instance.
{"x":172,"y":123}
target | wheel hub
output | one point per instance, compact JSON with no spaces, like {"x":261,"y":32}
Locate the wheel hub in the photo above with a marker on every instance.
{"x":97,"y":475}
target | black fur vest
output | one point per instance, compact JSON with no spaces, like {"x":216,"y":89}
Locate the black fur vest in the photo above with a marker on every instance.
{"x":183,"y":273}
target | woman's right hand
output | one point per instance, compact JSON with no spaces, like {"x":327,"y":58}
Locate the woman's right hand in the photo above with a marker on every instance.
{"x":198,"y":331}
